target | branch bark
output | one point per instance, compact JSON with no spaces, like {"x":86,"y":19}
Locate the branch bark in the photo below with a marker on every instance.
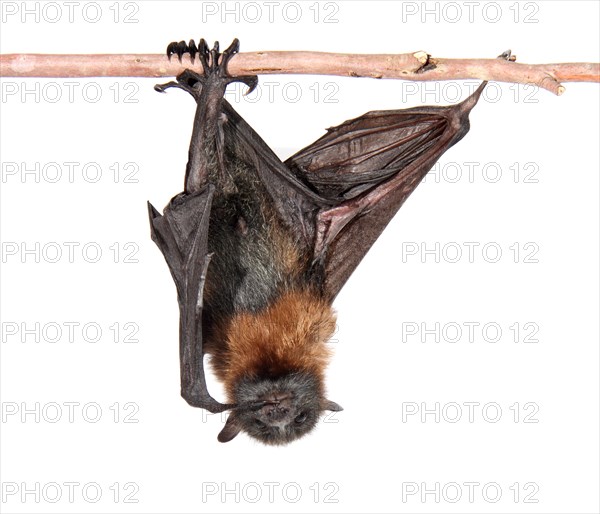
{"x":417,"y":66}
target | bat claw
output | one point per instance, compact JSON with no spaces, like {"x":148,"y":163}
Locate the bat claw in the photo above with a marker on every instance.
{"x":228,"y":53}
{"x":172,"y":49}
{"x":250,"y":80}
{"x":192,"y":49}
{"x":231,"y":50}
{"x":203,"y":54}
{"x":180,"y":49}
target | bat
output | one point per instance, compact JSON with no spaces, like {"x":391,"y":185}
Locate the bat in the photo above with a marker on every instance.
{"x":259,"y":248}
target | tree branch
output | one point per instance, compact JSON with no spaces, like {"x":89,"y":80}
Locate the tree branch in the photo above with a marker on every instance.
{"x":418,"y":66}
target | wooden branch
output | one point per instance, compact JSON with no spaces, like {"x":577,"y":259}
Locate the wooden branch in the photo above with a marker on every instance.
{"x":418,"y":66}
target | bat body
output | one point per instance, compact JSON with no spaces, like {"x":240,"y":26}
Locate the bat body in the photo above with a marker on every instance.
{"x":264,"y":316}
{"x":259,"y":248}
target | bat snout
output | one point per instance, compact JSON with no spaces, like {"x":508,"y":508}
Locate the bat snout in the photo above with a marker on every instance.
{"x":276,"y":408}
{"x":276,"y":415}
{"x":277,"y":411}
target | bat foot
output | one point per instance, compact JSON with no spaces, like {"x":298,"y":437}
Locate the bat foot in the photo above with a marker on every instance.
{"x":214,"y":64}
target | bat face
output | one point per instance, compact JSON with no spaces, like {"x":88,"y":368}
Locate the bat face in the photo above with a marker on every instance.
{"x":280,"y":410}
{"x":283,"y":239}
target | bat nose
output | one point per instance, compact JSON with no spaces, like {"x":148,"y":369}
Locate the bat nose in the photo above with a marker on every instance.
{"x":275,"y":412}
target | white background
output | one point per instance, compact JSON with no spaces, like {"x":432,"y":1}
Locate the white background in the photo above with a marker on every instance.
{"x":542,"y":446}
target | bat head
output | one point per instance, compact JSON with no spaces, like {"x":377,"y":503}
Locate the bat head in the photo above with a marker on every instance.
{"x":277,"y":411}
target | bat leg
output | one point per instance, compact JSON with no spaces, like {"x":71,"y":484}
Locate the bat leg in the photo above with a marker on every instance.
{"x":206,"y":154}
{"x":208,"y":89}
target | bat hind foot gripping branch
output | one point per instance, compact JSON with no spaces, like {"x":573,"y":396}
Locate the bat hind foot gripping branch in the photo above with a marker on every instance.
{"x":214,"y":67}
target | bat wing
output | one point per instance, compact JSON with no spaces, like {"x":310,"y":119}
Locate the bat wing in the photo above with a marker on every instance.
{"x":296,"y":201}
{"x":181,"y":233}
{"x":365,"y":169}
{"x":338,"y":194}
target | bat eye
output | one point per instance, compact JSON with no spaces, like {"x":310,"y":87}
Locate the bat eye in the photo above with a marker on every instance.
{"x":301,"y":418}
{"x":259,"y":423}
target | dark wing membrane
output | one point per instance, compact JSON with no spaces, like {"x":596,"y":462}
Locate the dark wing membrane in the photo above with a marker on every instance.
{"x":368,"y":167}
{"x":297,"y":203}
{"x":363,"y":152}
{"x":182,"y":235}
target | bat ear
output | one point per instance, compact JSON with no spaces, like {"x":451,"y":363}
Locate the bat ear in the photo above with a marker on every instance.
{"x":230,"y":430}
{"x":332,"y":406}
